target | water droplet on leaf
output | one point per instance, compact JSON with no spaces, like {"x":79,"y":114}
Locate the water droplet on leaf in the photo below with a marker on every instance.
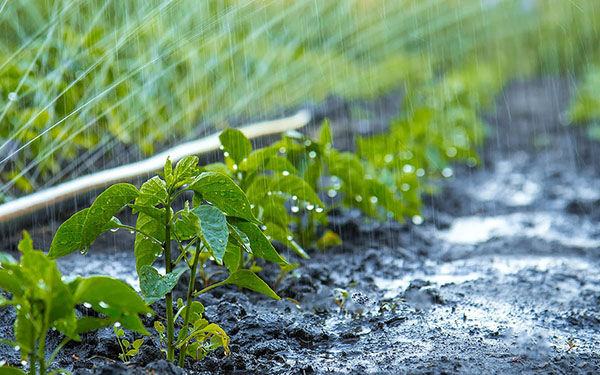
{"x":417,"y":220}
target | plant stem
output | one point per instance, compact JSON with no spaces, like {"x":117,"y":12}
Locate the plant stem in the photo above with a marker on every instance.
{"x":209,"y":288}
{"x":188,"y":303}
{"x":32,"y":363}
{"x":42,"y":351}
{"x":169,"y":296}
{"x":58,"y":348}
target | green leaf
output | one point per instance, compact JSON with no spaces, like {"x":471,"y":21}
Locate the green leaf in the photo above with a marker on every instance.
{"x":186,"y":226}
{"x":26,"y":244}
{"x":121,"y":304}
{"x":138,"y":343}
{"x":113,"y":223}
{"x":88,"y":324}
{"x":168,"y":172}
{"x":10,"y":283}
{"x":231,"y":259}
{"x":154,"y":286}
{"x":284,"y":236}
{"x":224,"y":194}
{"x":159,"y":327}
{"x":291,"y":185}
{"x":235,"y":145}
{"x":81,"y":229}
{"x":325,"y":137}
{"x":25,"y":332}
{"x":214,"y":229}
{"x":49,"y":287}
{"x":68,"y":325}
{"x":248,"y":279}
{"x":152,"y":192}
{"x":146,"y":251}
{"x":260,"y":245}
{"x":7,"y":370}
{"x":153,"y":212}
{"x":279,"y":164}
{"x":258,"y":159}
{"x":184,"y":171}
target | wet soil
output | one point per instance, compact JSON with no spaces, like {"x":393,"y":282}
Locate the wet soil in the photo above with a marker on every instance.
{"x":501,"y":278}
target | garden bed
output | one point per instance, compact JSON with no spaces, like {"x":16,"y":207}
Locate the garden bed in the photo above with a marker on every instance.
{"x":501,"y":277}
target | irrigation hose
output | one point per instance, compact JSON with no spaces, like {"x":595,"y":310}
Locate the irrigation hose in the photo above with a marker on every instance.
{"x":55,"y":194}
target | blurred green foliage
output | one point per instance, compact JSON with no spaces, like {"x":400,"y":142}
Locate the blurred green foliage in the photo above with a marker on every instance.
{"x":79,"y":77}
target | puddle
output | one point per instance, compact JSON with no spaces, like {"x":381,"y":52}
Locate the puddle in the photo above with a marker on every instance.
{"x":508,"y":186}
{"x":471,"y":230}
{"x":462,"y":271}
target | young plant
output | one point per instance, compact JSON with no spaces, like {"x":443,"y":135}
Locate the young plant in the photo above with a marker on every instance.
{"x":218,"y":223}
{"x":44,"y":302}
{"x":128,"y":349}
{"x":282,"y":181}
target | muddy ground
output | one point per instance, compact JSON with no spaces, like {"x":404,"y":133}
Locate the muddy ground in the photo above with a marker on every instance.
{"x":501,"y":278}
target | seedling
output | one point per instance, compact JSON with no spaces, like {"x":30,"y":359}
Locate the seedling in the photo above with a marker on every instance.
{"x":218,"y":224}
{"x":128,"y":349}
{"x":44,"y":302}
{"x":282,"y":181}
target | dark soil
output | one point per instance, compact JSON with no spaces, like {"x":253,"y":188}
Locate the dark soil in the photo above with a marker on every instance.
{"x":500,"y":278}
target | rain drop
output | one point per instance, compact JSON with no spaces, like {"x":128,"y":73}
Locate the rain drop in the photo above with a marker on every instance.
{"x":84,"y":251}
{"x":226,"y":154}
{"x":12,"y":96}
{"x":405,"y":187}
{"x":294,"y":197}
{"x":388,"y":158}
{"x":269,"y":193}
{"x":285,"y":173}
{"x":417,"y":220}
{"x":451,"y":152}
{"x":103,"y":304}
{"x":295,"y":209}
{"x":263,"y":227}
{"x":420,"y":172}
{"x":447,"y":172}
{"x":290,"y":238}
{"x":358,"y":198}
{"x":87,"y":305}
{"x":373,"y":199}
{"x":319,"y":209}
{"x":17,"y":348}
{"x":408,"y":168}
{"x":221,"y":147}
{"x":117,"y":324}
{"x":131,"y":231}
{"x":23,"y":363}
{"x":310,"y":207}
{"x":307,"y":142}
{"x":114,"y":229}
{"x":282,"y":150}
{"x":235,"y":167}
{"x":331,"y":193}
{"x":312,"y":154}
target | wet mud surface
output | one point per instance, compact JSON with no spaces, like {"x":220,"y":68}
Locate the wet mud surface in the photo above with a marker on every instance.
{"x":501,"y":278}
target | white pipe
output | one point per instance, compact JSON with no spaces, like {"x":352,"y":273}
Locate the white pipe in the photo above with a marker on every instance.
{"x":58,"y":193}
